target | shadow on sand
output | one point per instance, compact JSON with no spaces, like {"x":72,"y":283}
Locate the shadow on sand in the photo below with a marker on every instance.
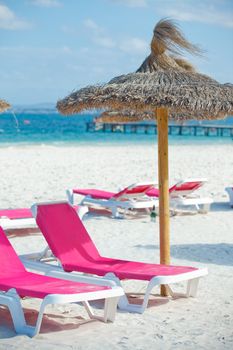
{"x":218,"y":253}
{"x":51,"y":322}
{"x":220,"y":206}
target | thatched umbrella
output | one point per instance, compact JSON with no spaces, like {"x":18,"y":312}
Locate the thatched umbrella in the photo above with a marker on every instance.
{"x":4,"y":106}
{"x":163,"y":84}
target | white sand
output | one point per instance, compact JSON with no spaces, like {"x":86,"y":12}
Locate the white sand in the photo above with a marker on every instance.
{"x":42,"y":173}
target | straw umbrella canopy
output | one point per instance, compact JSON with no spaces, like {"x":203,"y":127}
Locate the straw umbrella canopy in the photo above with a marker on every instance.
{"x":4,"y":106}
{"x":166,"y":85}
{"x":161,"y":81}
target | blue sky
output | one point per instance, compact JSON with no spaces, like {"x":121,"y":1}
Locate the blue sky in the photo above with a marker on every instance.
{"x":49,"y":48}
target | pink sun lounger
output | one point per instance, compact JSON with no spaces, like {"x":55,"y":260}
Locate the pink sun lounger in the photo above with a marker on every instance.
{"x":72,"y":246}
{"x":22,"y":218}
{"x":17,"y":282}
{"x":18,"y":218}
{"x":183,"y":193}
{"x":130,"y":198}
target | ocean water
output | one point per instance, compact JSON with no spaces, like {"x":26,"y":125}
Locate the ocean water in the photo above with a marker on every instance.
{"x":42,"y":128}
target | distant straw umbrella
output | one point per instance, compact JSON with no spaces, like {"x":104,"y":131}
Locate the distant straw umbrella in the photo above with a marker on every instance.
{"x":164,"y":85}
{"x":4,"y":106}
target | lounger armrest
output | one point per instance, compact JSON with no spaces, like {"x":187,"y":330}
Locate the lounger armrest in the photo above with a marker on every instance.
{"x":56,"y":271}
{"x":180,"y":277}
{"x":76,"y":277}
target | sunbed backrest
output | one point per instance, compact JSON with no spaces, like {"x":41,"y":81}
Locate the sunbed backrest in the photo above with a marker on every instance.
{"x":185,"y":188}
{"x":134,"y":190}
{"x":65,"y":233}
{"x":10,"y":263}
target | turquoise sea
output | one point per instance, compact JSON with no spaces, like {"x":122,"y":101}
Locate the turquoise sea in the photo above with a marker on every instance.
{"x":28,"y":128}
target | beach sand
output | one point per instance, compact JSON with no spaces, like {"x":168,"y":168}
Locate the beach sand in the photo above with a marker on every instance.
{"x":42,"y":173}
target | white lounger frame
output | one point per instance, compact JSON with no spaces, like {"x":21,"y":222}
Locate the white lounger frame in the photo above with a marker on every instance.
{"x":141,"y":202}
{"x":202,"y":205}
{"x":13,"y":224}
{"x":229,"y":191}
{"x":12,"y":300}
{"x":192,"y":279}
{"x":190,"y":198}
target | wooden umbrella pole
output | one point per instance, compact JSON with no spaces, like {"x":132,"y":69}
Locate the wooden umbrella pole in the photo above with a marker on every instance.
{"x":162,"y":127}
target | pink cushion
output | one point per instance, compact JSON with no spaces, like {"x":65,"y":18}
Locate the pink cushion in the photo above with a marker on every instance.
{"x":14,"y":275}
{"x":182,"y":187}
{"x":186,"y":186}
{"x":96,"y":194}
{"x":21,"y":213}
{"x":136,"y":190}
{"x":100,"y":194}
{"x":124,"y":269}
{"x":72,"y":245}
{"x":154,"y":192}
{"x":38,"y":286}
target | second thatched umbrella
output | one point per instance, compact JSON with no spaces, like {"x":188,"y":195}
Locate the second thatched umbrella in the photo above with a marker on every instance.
{"x":129,"y":116}
{"x":4,"y":106}
{"x":164,"y":85}
{"x":126,"y":116}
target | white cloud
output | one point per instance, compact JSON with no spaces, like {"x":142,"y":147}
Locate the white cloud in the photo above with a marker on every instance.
{"x":135,"y":45}
{"x":104,"y":41}
{"x":92,"y":25}
{"x":132,"y":3}
{"x":100,"y":38}
{"x":66,"y":49}
{"x":98,"y":34}
{"x":22,"y":51}
{"x":9,"y":21}
{"x":47,"y":3}
{"x":204,"y":12}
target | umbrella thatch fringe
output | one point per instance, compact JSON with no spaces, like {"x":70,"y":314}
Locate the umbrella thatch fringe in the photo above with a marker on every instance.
{"x":184,"y":64}
{"x":4,"y":106}
{"x":168,"y":37}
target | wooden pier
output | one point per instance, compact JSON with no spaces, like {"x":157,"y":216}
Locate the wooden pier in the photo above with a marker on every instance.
{"x":173,"y":129}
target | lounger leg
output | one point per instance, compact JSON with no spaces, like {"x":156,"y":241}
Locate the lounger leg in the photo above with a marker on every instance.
{"x":192,"y":286}
{"x":12,"y":301}
{"x":191,"y":290}
{"x":32,"y":331}
{"x":229,"y":190}
{"x":82,"y":210}
{"x":70,"y":196}
{"x":90,"y":312}
{"x":205,"y":208}
{"x":110,"y":307}
{"x":123,"y":303}
{"x":123,"y":300}
{"x":173,"y":208}
{"x":115,"y":213}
